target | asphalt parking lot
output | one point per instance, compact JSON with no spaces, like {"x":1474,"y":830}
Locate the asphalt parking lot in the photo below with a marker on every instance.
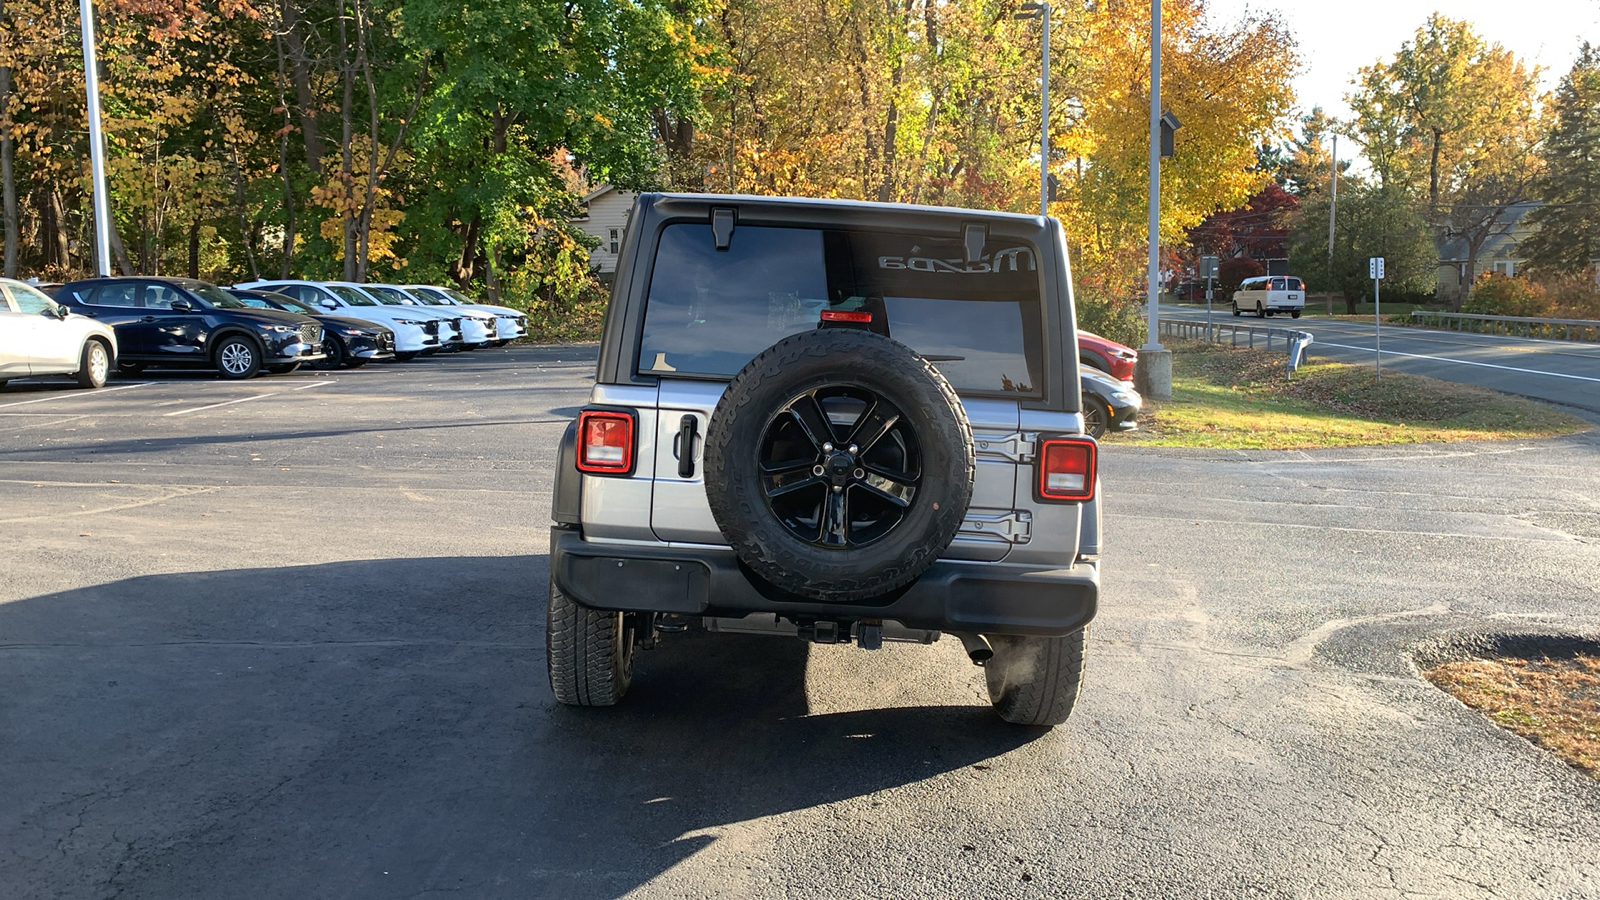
{"x":284,"y":638}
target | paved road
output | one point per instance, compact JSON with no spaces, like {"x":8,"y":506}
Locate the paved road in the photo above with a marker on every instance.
{"x":1563,"y":372}
{"x":293,"y":646}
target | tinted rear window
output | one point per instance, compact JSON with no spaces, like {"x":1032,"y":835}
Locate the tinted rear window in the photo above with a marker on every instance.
{"x":708,"y":311}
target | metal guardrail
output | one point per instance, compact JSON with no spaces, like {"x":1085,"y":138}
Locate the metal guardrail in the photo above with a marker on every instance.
{"x":1585,"y":329}
{"x":1294,"y":342}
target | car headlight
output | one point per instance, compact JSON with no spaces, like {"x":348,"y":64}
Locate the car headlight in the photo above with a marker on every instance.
{"x":282,"y":329}
{"x":354,"y":332}
{"x":1123,"y":397}
{"x":408,"y":322}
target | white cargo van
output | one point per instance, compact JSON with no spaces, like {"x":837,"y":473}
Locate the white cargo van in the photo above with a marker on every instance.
{"x":1269,"y":294}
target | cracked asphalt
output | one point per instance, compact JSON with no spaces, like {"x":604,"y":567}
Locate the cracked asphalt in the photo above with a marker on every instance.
{"x":292,"y":646}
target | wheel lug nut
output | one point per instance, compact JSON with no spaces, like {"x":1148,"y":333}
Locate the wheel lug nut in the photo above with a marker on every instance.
{"x":816,"y":470}
{"x":827,"y":448}
{"x":853,"y":449}
{"x":837,"y":489}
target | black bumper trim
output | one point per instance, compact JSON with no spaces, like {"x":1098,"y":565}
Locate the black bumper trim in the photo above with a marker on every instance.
{"x":948,"y":597}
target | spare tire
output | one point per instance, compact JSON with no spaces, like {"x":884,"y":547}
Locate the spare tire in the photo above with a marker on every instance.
{"x":838,"y":464}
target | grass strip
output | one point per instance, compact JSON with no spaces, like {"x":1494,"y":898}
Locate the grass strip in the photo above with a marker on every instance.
{"x":1227,"y":398}
{"x":1554,"y":703}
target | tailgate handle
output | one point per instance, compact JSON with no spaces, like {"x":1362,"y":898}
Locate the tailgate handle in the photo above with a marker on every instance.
{"x":685,"y":448}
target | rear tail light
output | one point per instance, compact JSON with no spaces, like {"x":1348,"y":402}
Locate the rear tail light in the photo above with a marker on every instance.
{"x":1067,"y":469}
{"x":605,"y":442}
{"x":845,"y":315}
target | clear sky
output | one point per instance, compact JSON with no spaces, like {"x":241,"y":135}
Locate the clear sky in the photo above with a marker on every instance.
{"x":1337,"y":38}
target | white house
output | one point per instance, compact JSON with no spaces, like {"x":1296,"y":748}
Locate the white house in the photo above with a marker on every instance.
{"x":606,"y":217}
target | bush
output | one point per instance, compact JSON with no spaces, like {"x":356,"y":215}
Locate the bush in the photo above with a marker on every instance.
{"x":1120,"y":319}
{"x":1496,"y":294}
{"x":1574,"y":296}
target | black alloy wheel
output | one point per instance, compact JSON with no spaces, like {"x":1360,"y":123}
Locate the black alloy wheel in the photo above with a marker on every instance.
{"x":332,"y":354}
{"x":840,"y":466}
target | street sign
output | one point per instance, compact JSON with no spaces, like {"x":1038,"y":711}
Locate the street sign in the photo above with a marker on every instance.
{"x":1208,"y":266}
{"x":1375,"y":272}
{"x":1375,"y":267}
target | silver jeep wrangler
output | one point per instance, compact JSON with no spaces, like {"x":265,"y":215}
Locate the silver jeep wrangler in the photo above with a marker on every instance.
{"x":842,"y":421}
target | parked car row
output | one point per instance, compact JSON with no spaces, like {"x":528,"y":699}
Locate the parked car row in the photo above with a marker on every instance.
{"x":88,"y":327}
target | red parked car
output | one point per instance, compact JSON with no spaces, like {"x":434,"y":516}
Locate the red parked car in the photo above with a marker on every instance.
{"x":1108,"y":356}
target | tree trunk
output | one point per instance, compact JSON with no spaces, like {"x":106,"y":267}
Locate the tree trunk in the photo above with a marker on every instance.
{"x":7,"y":155}
{"x":56,"y":257}
{"x":194,"y":248}
{"x":347,"y":154}
{"x":287,"y":263}
{"x":120,"y":252}
{"x":462,"y":269}
{"x":245,"y":234}
{"x":305,"y":99}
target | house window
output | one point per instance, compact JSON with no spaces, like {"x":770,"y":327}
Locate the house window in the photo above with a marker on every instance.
{"x":1506,"y":266}
{"x":613,"y":241}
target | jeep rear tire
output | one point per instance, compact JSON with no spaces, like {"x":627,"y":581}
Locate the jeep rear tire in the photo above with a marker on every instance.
{"x":1035,"y":680}
{"x":588,"y":652}
{"x":839,"y":465}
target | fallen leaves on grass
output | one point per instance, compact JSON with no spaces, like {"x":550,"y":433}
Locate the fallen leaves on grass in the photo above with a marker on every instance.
{"x":1553,"y":702}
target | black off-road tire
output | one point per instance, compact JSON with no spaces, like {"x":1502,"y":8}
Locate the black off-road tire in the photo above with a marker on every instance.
{"x":1035,"y":680}
{"x":1295,"y":314}
{"x":769,"y":382}
{"x":94,"y":366}
{"x":589,"y":653}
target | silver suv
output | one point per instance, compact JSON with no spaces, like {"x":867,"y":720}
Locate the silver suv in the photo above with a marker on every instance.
{"x":848,"y":422}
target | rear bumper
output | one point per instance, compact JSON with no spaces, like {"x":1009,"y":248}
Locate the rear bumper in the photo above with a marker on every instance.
{"x":703,"y":581}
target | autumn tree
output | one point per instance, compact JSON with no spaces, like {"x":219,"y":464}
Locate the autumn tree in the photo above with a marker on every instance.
{"x":1451,"y":120}
{"x":1568,"y":235}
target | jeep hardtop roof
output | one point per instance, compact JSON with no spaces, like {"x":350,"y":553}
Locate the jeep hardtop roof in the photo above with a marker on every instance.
{"x":653,"y":212}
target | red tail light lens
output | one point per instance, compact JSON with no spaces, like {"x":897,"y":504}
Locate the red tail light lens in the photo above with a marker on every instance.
{"x":605,"y":442}
{"x":1067,"y":469}
{"x":845,"y":315}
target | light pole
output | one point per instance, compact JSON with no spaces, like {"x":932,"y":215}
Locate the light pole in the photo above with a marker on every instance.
{"x":1041,"y":11}
{"x":1154,"y":372}
{"x":97,"y":146}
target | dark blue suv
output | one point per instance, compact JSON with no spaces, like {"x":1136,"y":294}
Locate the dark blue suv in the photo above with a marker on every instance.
{"x":188,"y":323}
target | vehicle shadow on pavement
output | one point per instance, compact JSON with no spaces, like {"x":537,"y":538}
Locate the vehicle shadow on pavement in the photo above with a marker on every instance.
{"x":384,"y":728}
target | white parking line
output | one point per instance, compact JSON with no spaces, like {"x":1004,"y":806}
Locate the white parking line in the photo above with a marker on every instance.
{"x":67,"y":396}
{"x":223,"y":403}
{"x":314,"y":384}
{"x":1464,"y":362}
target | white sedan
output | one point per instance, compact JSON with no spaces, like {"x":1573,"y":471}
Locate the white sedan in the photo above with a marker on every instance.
{"x":413,"y":334}
{"x":40,"y":337}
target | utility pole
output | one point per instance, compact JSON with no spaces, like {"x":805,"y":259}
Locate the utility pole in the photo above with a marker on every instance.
{"x":97,"y":145}
{"x":1153,"y":372}
{"x":1333,"y":209}
{"x":1041,"y":11}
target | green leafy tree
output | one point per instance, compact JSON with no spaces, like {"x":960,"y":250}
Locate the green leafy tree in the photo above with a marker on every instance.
{"x":1568,"y":235}
{"x":1451,"y":120}
{"x":1374,"y":220}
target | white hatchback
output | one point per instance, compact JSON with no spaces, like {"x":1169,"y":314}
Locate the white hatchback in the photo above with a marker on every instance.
{"x":1268,"y":294}
{"x":38,"y":336}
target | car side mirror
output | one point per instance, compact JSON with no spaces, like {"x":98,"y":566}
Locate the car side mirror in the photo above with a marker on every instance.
{"x":325,"y":303}
{"x":182,"y":306}
{"x":55,"y":311}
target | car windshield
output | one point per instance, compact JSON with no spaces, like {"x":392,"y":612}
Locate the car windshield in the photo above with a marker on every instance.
{"x":429,"y":298}
{"x":218,"y":297}
{"x":710,"y":311}
{"x":392,"y":296}
{"x":295,"y":305}
{"x":252,"y":301}
{"x":351,"y":295}
{"x":458,"y":297}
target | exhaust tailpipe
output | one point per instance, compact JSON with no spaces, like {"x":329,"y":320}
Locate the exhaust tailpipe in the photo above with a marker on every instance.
{"x":978,"y":648}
